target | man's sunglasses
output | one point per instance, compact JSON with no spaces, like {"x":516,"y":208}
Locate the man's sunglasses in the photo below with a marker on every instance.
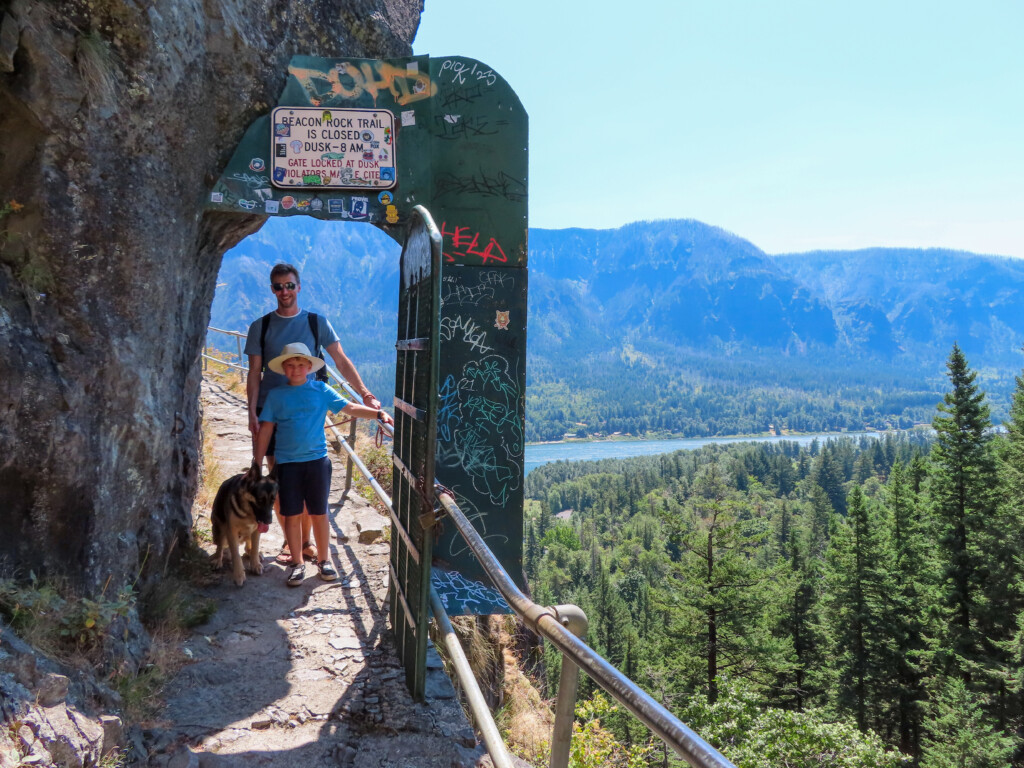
{"x":278,"y":287}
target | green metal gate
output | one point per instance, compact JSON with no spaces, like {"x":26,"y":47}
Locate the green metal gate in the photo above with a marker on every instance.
{"x":416,"y":374}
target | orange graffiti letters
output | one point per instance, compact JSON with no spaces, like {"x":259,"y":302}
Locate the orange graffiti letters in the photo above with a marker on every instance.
{"x":349,"y":81}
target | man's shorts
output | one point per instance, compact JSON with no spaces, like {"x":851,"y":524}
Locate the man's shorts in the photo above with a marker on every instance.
{"x":273,"y":437}
{"x":304,"y":482}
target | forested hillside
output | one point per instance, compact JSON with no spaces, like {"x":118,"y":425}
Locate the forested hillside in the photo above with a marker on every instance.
{"x":677,"y":327}
{"x":855,"y":603}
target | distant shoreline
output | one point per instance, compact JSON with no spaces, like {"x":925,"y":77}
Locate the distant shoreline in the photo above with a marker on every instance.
{"x":635,"y":439}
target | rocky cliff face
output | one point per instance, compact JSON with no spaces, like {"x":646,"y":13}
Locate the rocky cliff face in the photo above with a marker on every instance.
{"x":115,"y":117}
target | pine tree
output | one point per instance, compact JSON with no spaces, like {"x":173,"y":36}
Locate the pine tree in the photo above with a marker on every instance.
{"x":912,"y":576}
{"x":1006,"y":582}
{"x":798,"y":626}
{"x":610,"y":626}
{"x":1012,"y":456}
{"x":963,"y":482}
{"x":828,"y":473}
{"x":958,"y":735}
{"x":855,"y":607}
{"x":821,"y":519}
{"x":719,"y":579}
{"x":532,"y":553}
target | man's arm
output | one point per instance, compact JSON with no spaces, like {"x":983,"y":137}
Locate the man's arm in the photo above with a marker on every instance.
{"x":351,"y":375}
{"x":252,"y":392}
{"x":262,"y":442}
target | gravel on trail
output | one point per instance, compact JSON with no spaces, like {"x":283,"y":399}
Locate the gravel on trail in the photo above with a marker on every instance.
{"x":307,"y":675}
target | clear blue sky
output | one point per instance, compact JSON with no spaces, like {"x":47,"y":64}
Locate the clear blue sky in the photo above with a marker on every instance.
{"x":795,"y":124}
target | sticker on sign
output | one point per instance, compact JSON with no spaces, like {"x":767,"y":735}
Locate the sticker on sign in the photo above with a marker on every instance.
{"x":332,"y":148}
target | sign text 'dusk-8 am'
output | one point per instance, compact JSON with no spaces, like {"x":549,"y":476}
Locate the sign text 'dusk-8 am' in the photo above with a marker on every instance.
{"x":333,"y":148}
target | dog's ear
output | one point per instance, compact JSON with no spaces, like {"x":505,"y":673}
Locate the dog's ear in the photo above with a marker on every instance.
{"x":253,"y":473}
{"x":272,"y":474}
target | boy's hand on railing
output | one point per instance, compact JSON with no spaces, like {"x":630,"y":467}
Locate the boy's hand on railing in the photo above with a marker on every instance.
{"x":371,"y":401}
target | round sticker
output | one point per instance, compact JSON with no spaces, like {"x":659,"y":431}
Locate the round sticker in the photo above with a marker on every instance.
{"x":287,"y":202}
{"x":256,"y":164}
{"x":385,"y":198}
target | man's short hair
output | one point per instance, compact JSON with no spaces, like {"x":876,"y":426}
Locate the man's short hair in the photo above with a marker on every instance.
{"x":282,"y":269}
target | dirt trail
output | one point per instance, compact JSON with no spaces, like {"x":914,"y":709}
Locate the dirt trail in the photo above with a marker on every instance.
{"x":308,"y":675}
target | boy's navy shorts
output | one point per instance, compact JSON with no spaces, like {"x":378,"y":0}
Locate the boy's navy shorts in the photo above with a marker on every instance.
{"x":306,"y":482}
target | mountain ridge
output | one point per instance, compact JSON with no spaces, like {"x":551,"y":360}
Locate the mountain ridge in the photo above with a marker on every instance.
{"x":689,"y":306}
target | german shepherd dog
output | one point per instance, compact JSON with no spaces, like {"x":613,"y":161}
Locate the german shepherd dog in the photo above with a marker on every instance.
{"x":242,"y":510}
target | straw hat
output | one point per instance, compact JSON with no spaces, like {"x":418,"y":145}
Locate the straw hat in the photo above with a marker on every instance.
{"x":298,"y":349}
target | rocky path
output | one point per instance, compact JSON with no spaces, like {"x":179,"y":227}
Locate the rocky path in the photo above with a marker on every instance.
{"x":308,"y":675}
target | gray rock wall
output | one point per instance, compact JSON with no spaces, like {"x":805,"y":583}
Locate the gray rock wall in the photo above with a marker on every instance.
{"x":115,"y":117}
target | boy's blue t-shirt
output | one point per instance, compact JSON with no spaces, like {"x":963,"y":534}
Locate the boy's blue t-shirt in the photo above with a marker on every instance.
{"x":299,"y":414}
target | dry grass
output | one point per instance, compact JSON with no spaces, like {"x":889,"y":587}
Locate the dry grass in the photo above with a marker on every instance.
{"x":523,"y":717}
{"x":98,"y":68}
{"x":378,"y":461}
{"x":526,"y":718}
{"x":211,"y":475}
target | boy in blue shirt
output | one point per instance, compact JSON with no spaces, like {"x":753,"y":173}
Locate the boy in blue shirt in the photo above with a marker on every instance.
{"x":296,"y":412}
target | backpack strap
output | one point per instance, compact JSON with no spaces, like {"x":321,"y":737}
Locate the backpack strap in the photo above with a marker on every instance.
{"x":264,"y":325}
{"x":314,"y":327}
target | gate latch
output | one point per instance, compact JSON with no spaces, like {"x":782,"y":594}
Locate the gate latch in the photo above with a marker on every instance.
{"x":431,"y":513}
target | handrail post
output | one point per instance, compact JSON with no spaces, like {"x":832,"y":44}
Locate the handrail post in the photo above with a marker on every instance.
{"x":575,"y":620}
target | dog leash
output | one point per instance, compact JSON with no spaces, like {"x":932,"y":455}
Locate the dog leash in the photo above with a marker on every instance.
{"x":339,"y":423}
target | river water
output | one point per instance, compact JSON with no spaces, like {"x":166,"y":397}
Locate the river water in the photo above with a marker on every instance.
{"x":536,"y":455}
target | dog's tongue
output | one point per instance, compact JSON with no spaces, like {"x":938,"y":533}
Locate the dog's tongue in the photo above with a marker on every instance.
{"x":263,"y":527}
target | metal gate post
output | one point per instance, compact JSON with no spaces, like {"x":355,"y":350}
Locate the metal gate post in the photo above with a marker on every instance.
{"x":413,"y":515}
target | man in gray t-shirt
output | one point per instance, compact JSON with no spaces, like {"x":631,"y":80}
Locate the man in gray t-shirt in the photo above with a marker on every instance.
{"x":282,"y":330}
{"x":287,"y":325}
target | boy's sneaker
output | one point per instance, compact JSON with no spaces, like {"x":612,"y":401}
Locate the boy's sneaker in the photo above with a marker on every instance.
{"x":296,"y":574}
{"x":327,"y":572}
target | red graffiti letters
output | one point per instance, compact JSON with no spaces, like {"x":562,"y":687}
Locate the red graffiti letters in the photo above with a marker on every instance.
{"x":462,"y":243}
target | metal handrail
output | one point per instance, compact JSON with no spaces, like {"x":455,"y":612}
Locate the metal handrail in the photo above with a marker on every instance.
{"x":545,"y":621}
{"x":555,"y":624}
{"x":558,"y":624}
{"x":488,"y":729}
{"x":238,"y":343}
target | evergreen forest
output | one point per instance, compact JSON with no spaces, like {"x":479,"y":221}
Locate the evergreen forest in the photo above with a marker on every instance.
{"x":858,"y":602}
